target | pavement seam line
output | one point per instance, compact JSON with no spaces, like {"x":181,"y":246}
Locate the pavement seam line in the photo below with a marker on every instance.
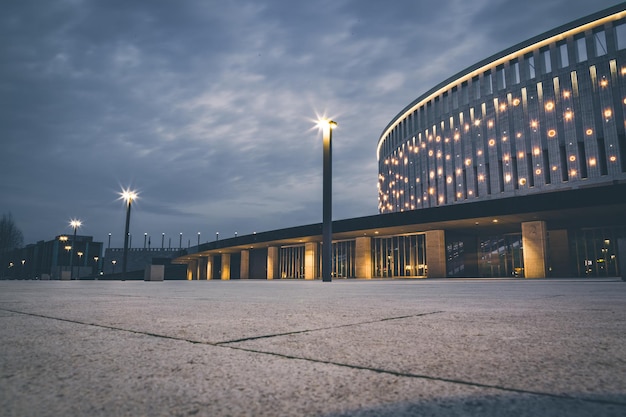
{"x":320,"y":361}
{"x":269,"y":336}
{"x":428,"y":377}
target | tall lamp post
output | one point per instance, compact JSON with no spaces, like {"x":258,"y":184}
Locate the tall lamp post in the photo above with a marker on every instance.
{"x":75,"y":224}
{"x":128,"y":196}
{"x":327,"y":127}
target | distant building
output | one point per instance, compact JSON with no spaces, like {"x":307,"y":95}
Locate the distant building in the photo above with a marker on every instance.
{"x":138,"y":259}
{"x":514,"y":167}
{"x":52,"y":259}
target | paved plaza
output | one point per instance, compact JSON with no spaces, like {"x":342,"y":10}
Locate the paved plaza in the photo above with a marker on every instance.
{"x":295,"y":348}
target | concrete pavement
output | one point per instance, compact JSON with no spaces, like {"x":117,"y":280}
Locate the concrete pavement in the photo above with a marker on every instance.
{"x":291,"y":348}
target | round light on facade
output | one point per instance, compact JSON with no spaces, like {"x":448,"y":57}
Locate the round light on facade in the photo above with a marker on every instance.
{"x":589,"y":132}
{"x":608,"y":113}
{"x":572,"y":158}
{"x":537,"y":171}
{"x":522,"y":181}
{"x":612,"y":158}
{"x":536,"y":151}
{"x":566,"y":94}
{"x":549,"y":106}
{"x":507,"y":178}
{"x":573,"y":173}
{"x":468,"y":162}
{"x":492,"y":142}
{"x":568,"y":115}
{"x":592,"y":162}
{"x":534,"y":124}
{"x":604,"y":82}
{"x":502,"y":107}
{"x":551,"y":133}
{"x":516,"y":101}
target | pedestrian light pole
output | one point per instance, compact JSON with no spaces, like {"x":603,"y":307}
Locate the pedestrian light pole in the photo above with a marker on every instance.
{"x":327,"y":127}
{"x":75,"y":224}
{"x":128,"y":196}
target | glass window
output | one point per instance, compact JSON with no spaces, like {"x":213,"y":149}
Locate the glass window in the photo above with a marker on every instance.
{"x":620,"y":33}
{"x":581,"y":48}
{"x":564,"y":56}
{"x":500,"y":78}
{"x":547,"y":61}
{"x":600,"y":38}
{"x":515,"y":68}
{"x":531,"y":66}
{"x":476,"y":87}
{"x":488,"y":83}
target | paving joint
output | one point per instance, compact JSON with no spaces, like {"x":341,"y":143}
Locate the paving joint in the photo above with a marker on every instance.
{"x":229,"y":345}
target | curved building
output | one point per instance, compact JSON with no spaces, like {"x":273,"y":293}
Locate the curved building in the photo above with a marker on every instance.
{"x":515,"y":167}
{"x":544,"y":115}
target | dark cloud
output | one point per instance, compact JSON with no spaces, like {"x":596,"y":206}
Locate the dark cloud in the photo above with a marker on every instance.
{"x":206,"y":107}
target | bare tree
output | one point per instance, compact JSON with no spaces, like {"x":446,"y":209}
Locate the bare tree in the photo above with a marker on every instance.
{"x":10,"y":236}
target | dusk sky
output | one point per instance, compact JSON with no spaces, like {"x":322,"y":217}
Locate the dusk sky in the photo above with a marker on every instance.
{"x":207,"y":108}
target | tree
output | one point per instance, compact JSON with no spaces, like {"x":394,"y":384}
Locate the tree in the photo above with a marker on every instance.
{"x":10,"y":236}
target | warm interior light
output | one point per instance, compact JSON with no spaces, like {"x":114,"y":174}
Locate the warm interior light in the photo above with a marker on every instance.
{"x":566,"y":94}
{"x":533,"y":124}
{"x":607,"y":113}
{"x":507,"y":178}
{"x":536,"y":151}
{"x":604,"y":82}
{"x":568,"y":115}
{"x":592,"y":162}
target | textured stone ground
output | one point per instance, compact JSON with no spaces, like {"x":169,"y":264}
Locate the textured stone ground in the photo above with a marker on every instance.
{"x":263,"y":348}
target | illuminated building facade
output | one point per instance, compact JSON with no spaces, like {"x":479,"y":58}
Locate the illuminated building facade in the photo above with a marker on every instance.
{"x":545,"y":115}
{"x":515,"y":167}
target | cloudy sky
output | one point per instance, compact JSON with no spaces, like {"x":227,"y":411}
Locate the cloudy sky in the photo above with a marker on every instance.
{"x":207,"y":107}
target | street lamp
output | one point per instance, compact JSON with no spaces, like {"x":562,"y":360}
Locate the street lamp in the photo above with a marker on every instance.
{"x":327,"y":127}
{"x":113,"y":262}
{"x":128,"y":196}
{"x":198,"y":240}
{"x":75,"y":223}
{"x":80,"y":259}
{"x":95,"y":261}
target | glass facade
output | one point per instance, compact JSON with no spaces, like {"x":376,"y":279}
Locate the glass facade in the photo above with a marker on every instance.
{"x":594,"y":251}
{"x":291,"y":262}
{"x":399,"y":256}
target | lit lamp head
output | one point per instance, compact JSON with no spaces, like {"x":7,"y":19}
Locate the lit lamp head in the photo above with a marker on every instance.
{"x":326,"y":124}
{"x":128,"y":195}
{"x":75,"y":223}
